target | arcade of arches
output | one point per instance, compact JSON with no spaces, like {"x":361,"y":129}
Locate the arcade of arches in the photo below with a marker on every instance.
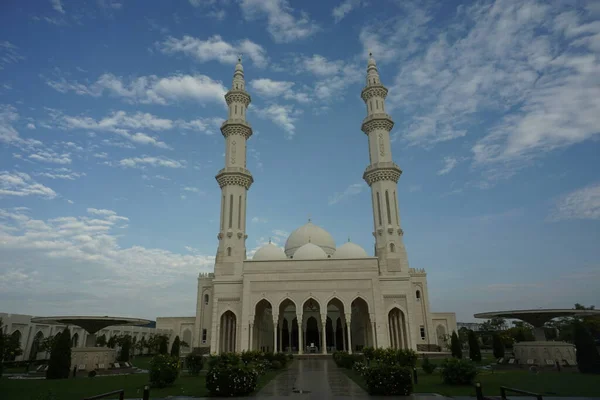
{"x":319,"y":331}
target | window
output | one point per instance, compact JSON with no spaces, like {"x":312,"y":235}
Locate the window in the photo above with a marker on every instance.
{"x":229,"y":251}
{"x":392,"y":248}
{"x":418,"y":294}
{"x":203,"y":336}
{"x":206,"y":299}
{"x":376,"y":104}
{"x":240,"y":213}
{"x":230,"y":210}
{"x":422,"y":332}
{"x":379,"y":208}
{"x":387,"y":205}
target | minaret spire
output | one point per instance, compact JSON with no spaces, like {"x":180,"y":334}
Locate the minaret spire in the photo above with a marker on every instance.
{"x":382,"y":176}
{"x":234,"y":179}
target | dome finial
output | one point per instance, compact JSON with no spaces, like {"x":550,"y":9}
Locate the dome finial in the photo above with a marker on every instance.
{"x":309,"y":239}
{"x":269,"y":240}
{"x":348,"y":238}
{"x":309,"y":219}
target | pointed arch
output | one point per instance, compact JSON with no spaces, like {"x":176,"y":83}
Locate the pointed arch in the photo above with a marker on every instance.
{"x":398,"y":328}
{"x":286,"y":298}
{"x":311,"y":297}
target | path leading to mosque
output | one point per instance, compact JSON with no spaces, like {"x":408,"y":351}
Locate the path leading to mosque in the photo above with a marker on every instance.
{"x":316,"y":378}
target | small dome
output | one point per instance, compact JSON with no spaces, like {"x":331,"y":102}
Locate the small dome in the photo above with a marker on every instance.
{"x":350,"y":250}
{"x":309,"y":252}
{"x":309,"y":233}
{"x":238,"y":66}
{"x":269,"y":252}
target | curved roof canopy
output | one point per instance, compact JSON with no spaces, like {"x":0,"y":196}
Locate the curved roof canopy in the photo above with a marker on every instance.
{"x":539,"y":317}
{"x":89,"y":323}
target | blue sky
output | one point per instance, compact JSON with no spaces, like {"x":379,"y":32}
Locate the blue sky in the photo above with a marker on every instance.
{"x":109,"y":143}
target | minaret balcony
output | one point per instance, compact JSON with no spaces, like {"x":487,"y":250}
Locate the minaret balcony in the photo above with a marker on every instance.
{"x":234,"y":176}
{"x":240,"y":96}
{"x":377,"y":121}
{"x":236,"y":126}
{"x":382,"y":171}
{"x":371,"y":91}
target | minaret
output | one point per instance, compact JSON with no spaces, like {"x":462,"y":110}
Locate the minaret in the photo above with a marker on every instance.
{"x":382,"y":176}
{"x":234,"y":180}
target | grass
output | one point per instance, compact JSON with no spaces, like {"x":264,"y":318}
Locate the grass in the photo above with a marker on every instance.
{"x":77,"y":389}
{"x":548,"y":383}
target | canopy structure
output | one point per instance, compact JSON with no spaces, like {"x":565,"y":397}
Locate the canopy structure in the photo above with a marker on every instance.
{"x":91,"y":324}
{"x":539,"y":317}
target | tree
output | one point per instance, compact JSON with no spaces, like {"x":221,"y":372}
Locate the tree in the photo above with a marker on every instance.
{"x":566,"y":325}
{"x":1,"y":347}
{"x":48,"y":343}
{"x":112,"y":342}
{"x":101,"y":341}
{"x":141,"y":345}
{"x":163,"y":346}
{"x":497,"y":345}
{"x":175,"y":347}
{"x":588,"y":360}
{"x":11,"y":346}
{"x":455,"y":346}
{"x":474,"y":351}
{"x":59,"y":364}
{"x":125,"y":343}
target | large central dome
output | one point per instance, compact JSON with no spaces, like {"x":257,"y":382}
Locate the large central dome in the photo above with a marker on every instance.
{"x":309,"y":233}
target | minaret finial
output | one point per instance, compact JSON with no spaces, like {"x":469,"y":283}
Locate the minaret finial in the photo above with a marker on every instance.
{"x":269,"y":240}
{"x":348,"y":239}
{"x":309,"y":219}
{"x":309,"y":239}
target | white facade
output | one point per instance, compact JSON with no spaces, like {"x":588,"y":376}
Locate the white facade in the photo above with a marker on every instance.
{"x":30,"y":333}
{"x":312,"y":292}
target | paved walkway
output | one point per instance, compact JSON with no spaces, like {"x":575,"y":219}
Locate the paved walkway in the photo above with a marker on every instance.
{"x":314,"y":379}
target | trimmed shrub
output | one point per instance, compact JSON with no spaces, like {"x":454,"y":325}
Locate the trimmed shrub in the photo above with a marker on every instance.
{"x":276,"y":365}
{"x":125,"y":348}
{"x":458,"y":372}
{"x":225,"y":380}
{"x":175,"y":347}
{"x":59,"y":365}
{"x":474,"y":351}
{"x":388,"y":380}
{"x":163,"y":346}
{"x":588,"y":360}
{"x":401,"y":357}
{"x":360,"y":368}
{"x":455,"y":346}
{"x":194,"y":363}
{"x":497,"y":345}
{"x":164,"y":370}
{"x":428,"y":366}
{"x":224,"y":359}
{"x":368,"y":353}
{"x":346,"y":360}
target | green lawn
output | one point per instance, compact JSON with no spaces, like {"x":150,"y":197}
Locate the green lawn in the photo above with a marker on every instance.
{"x":548,"y":383}
{"x":77,"y":389}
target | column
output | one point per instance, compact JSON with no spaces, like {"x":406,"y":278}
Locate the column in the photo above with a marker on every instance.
{"x":218,"y":338}
{"x":334,"y":339}
{"x":300,"y":333}
{"x":275,"y":318}
{"x":251,"y":343}
{"x":235,"y":332}
{"x":373,"y":334}
{"x":344,"y":336}
{"x":281,"y":336}
{"x":289,"y":338}
{"x":324,"y":334}
{"x":349,"y":323}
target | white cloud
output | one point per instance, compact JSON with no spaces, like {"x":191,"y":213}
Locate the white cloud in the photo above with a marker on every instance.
{"x":101,"y":155}
{"x":60,"y":173}
{"x":8,"y":133}
{"x":30,"y":126}
{"x":215,"y":49}
{"x":261,"y":220}
{"x":50,"y":156}
{"x":449,"y":164}
{"x":282,"y":24}
{"x":582,"y":203}
{"x":334,"y":76}
{"x":282,"y":115}
{"x":344,"y":8}
{"x":192,"y":189}
{"x":20,"y":184}
{"x":57,"y":6}
{"x":149,"y":89}
{"x":350,"y":191}
{"x":205,"y":125}
{"x":144,"y":161}
{"x":321,"y":66}
{"x":44,"y":259}
{"x":9,"y":54}
{"x":270,"y":88}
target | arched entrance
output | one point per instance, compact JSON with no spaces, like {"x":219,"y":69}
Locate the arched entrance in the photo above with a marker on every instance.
{"x":288,"y":327}
{"x":312,"y":326}
{"x":397,"y":329}
{"x":75,"y":340}
{"x":336,"y":328}
{"x":35,"y":346}
{"x":15,"y":341}
{"x":440,"y":332}
{"x":228,"y":332}
{"x":361,"y":334}
{"x":262,"y":336}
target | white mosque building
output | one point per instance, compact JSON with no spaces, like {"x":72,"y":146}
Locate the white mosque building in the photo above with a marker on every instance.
{"x":312,"y":296}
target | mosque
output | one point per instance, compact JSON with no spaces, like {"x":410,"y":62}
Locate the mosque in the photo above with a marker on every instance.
{"x":311,"y":296}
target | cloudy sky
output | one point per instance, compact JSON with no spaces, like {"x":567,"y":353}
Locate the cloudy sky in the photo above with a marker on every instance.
{"x":109,"y":143}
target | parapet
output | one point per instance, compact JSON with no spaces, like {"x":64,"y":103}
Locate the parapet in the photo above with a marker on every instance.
{"x":417,"y":271}
{"x":206,"y":275}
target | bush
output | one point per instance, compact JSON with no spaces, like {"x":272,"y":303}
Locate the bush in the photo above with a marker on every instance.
{"x":224,"y":359}
{"x":164,"y":370}
{"x":458,"y":372}
{"x":194,"y":363}
{"x":360,"y":368}
{"x":59,"y":365}
{"x":428,"y":366}
{"x":225,"y":380}
{"x":474,"y":352}
{"x":276,"y":364}
{"x":125,"y":348}
{"x":346,"y":360}
{"x":388,"y":380}
{"x":497,"y":345}
{"x":455,"y":346}
{"x":403,"y":358}
{"x":163,"y":347}
{"x":588,"y":360}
